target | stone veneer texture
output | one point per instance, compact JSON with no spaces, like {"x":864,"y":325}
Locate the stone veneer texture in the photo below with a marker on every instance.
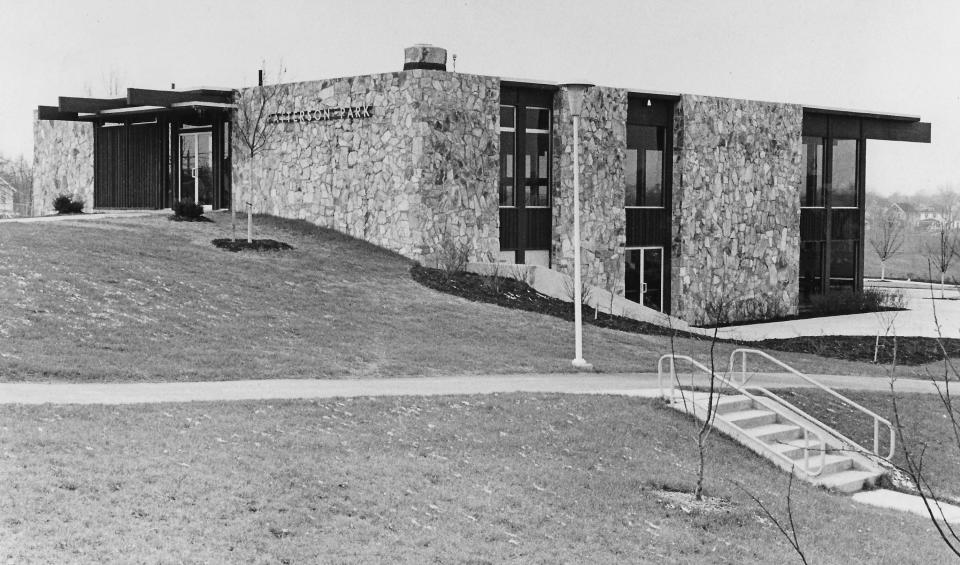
{"x":63,"y":163}
{"x":602,"y":155}
{"x":736,"y":208}
{"x":418,"y":176}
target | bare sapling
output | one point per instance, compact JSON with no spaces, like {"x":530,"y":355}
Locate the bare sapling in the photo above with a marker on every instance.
{"x":789,"y":528}
{"x":913,"y":456}
{"x":887,"y":240}
{"x":255,"y":130}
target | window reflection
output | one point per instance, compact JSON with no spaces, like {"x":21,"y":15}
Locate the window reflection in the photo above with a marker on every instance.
{"x":508,"y":138}
{"x":813,"y":180}
{"x":843,"y":192}
{"x":644,"y":166}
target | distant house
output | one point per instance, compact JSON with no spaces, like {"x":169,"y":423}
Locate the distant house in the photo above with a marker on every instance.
{"x":6,"y":198}
{"x":904,"y":211}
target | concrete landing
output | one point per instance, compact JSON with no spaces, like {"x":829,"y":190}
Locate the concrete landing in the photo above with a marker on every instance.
{"x":907,"y":503}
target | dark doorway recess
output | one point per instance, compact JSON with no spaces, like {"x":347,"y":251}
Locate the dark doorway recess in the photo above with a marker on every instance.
{"x":526,"y":172}
{"x":648,"y":201}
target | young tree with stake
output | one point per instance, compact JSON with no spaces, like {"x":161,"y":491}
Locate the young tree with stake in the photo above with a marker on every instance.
{"x":888,"y":240}
{"x":254,"y":131}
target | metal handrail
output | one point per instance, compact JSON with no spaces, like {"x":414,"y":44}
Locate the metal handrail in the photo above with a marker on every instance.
{"x":783,"y":414}
{"x":877,"y":419}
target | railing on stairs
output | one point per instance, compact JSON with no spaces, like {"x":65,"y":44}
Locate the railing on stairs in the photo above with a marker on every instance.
{"x":877,"y":419}
{"x":784,"y":414}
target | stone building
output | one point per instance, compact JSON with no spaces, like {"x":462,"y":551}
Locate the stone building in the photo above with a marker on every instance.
{"x":688,"y":202}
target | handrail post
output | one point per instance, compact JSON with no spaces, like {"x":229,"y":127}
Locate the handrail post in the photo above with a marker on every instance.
{"x":806,"y":450}
{"x":743,"y":368}
{"x":876,"y":437}
{"x":673,"y":378}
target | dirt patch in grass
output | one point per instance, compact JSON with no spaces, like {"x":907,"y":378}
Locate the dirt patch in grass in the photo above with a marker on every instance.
{"x":176,"y":218}
{"x":255,"y":245}
{"x":520,"y":478}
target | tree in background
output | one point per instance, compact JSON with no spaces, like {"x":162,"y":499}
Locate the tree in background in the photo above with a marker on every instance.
{"x":19,"y":173}
{"x":887,"y":239}
{"x":945,"y":246}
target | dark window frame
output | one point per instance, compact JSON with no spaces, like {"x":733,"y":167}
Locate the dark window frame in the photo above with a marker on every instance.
{"x":823,"y":221}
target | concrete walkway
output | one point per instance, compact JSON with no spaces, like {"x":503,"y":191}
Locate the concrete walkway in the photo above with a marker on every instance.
{"x":917,"y":320}
{"x":87,"y":216}
{"x":639,"y":384}
{"x":911,"y":503}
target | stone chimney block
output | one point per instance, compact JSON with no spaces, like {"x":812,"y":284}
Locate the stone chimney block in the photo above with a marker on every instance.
{"x":423,"y":56}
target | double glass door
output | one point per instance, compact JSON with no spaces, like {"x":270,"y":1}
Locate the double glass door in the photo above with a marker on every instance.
{"x":196,"y":167}
{"x":644,"y":276}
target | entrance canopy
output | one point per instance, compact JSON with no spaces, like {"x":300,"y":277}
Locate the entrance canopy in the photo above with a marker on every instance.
{"x":153,"y":148}
{"x":140,"y":103}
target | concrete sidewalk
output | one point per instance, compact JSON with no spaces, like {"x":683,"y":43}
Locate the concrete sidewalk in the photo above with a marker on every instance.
{"x":86,"y":216}
{"x":639,"y":384}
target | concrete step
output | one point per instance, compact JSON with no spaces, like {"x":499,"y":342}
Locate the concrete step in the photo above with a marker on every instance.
{"x":793,"y":448}
{"x":733,"y":403}
{"x":832,"y":464}
{"x":772,"y":433}
{"x":750,"y":418}
{"x":849,"y":481}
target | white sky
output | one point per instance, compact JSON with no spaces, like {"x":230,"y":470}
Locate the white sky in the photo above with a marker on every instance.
{"x":892,"y":56}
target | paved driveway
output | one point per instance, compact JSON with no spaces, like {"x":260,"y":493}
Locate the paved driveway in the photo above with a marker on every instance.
{"x":917,"y":320}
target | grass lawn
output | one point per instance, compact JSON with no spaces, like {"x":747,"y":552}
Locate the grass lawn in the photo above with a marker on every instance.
{"x":146,"y":299}
{"x":519,"y":478}
{"x":910,"y":262}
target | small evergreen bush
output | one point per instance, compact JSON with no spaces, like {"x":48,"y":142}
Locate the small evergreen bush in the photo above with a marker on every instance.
{"x":67,"y":204}
{"x":187,"y":208}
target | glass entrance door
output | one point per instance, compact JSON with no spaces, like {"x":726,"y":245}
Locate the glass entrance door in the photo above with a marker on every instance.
{"x":196,"y":167}
{"x":644,"y":276}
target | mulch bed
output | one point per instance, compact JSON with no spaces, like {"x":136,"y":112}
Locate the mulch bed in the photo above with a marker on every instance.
{"x":176,"y":218}
{"x":909,"y":350}
{"x":256,"y":245}
{"x":510,"y":293}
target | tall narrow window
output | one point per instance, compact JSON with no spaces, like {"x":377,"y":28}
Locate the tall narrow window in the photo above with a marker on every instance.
{"x":813,"y":166}
{"x":537,"y":157}
{"x":644,"y":166}
{"x":508,"y":143}
{"x":526,"y":218}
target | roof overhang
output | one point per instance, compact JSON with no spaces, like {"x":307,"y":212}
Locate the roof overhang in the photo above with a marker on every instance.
{"x":139,"y":102}
{"x":837,"y":122}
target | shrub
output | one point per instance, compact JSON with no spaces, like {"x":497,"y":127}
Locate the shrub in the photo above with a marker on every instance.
{"x":68,"y":204}
{"x":187,"y":208}
{"x":452,"y":258}
{"x":850,"y":302}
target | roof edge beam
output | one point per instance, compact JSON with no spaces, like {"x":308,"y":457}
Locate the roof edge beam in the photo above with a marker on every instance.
{"x":89,"y":105}
{"x":145,"y":97}
{"x":889,"y":130}
{"x":54,"y":113}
